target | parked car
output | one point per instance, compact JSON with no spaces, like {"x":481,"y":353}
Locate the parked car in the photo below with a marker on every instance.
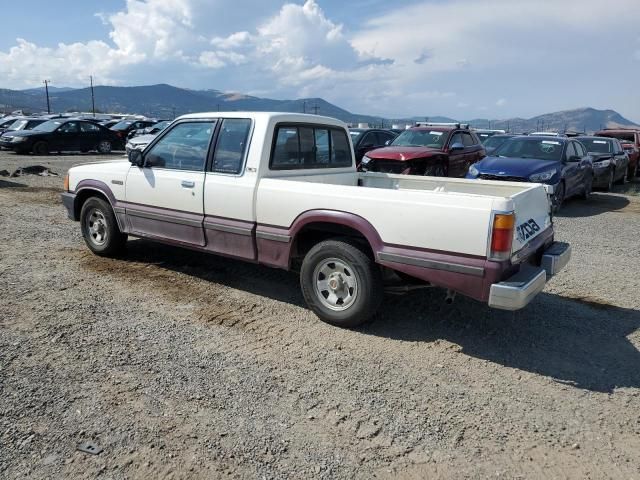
{"x":485,"y":134}
{"x":139,"y":143}
{"x":629,"y":135}
{"x":558,"y":161}
{"x":439,"y":150}
{"x":547,"y":134}
{"x":494,"y":141}
{"x":281,"y":189}
{"x":610,"y":161}
{"x":366,"y":139}
{"x":26,"y":123}
{"x":633,"y":152}
{"x":123,"y":127}
{"x":152,"y":130}
{"x":61,"y":135}
{"x":109,"y":123}
{"x":6,"y":122}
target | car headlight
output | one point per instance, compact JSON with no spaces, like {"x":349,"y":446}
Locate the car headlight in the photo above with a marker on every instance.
{"x":365,"y":160}
{"x":18,"y":139}
{"x":542,"y":176}
{"x":602,"y":163}
{"x":141,"y":146}
{"x":473,"y":171}
{"x":129,"y":146}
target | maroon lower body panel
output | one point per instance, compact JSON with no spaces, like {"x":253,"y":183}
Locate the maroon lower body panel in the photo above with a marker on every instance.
{"x":233,"y":238}
{"x":185,"y":227}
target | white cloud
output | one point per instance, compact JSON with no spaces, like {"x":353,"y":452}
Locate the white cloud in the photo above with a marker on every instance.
{"x":501,"y":102}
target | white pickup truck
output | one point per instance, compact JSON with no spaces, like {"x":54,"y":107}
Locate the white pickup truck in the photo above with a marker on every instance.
{"x":282,"y":190}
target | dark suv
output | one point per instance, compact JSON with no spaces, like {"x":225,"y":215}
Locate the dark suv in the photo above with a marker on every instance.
{"x":626,"y":135}
{"x":433,"y":149}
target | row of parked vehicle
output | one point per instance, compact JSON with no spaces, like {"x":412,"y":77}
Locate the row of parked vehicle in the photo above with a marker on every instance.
{"x":573,"y":164}
{"x":56,"y":133}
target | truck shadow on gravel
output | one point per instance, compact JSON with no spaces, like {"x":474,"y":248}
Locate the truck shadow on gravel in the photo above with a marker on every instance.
{"x":9,"y":184}
{"x":580,"y":342}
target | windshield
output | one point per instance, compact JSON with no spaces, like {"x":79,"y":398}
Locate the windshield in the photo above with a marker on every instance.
{"x":495,"y":142}
{"x":49,"y":126}
{"x":594,"y":145}
{"x":539,"y":148}
{"x":354,"y":135}
{"x":162,"y":125}
{"x":17,"y":125}
{"x":122,"y":125}
{"x":420,"y":138}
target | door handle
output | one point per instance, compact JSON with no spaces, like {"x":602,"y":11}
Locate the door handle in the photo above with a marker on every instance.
{"x":188,"y":184}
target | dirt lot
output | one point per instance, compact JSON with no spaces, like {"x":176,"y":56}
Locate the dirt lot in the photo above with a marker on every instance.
{"x":183,"y":365}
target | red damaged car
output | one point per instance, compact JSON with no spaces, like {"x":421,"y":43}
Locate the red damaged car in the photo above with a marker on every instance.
{"x":626,"y":136}
{"x":437,"y":150}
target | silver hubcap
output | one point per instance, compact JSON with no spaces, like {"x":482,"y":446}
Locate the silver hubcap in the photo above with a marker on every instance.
{"x":335,"y":284}
{"x":104,"y":146}
{"x":97,"y":227}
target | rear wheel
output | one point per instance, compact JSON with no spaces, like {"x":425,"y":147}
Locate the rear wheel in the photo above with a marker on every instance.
{"x":41,"y":148}
{"x":341,"y":283}
{"x":625,"y":177}
{"x":100,"y":228}
{"x":104,"y":146}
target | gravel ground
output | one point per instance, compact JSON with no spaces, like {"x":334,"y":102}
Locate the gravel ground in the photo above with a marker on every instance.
{"x":183,"y":365}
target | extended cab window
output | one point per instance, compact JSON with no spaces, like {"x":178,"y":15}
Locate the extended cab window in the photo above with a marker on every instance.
{"x":298,"y":147}
{"x":232,"y":145}
{"x":184,"y":147}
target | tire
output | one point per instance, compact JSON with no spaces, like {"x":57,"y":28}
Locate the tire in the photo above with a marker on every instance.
{"x":435,"y":170}
{"x":634,"y":173}
{"x":104,"y":146}
{"x":588,"y":188}
{"x":610,"y":182}
{"x":41,"y":148}
{"x":558,"y":197}
{"x":100,"y":228}
{"x":341,"y":284}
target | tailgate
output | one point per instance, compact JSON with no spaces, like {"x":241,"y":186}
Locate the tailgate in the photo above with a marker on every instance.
{"x":532,"y":209}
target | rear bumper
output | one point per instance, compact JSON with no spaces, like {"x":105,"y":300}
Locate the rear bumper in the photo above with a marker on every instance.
{"x":69,"y":200}
{"x":518,"y":290}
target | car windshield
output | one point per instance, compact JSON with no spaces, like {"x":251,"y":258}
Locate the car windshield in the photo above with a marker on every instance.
{"x":597,"y":145}
{"x":49,"y":126}
{"x":354,"y":135}
{"x":162,"y":125}
{"x":122,"y":125}
{"x":539,"y":148}
{"x":495,"y":142}
{"x":17,"y":125}
{"x":420,"y":138}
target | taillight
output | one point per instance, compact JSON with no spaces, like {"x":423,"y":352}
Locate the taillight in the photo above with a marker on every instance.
{"x":502,"y":235}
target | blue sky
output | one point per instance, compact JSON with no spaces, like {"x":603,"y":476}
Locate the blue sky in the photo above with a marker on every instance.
{"x":461,"y":58}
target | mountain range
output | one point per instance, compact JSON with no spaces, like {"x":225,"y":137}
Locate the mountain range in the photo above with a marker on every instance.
{"x":166,"y":101}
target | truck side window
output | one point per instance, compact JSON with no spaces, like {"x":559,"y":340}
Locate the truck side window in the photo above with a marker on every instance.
{"x":310,"y":147}
{"x":231,"y":145}
{"x":184,"y":147}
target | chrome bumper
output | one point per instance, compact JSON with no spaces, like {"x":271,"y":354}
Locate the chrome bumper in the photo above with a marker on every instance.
{"x":517,"y":291}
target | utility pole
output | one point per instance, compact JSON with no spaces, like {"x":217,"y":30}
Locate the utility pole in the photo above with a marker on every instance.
{"x":93,"y":100}
{"x":304,"y":106}
{"x":173,"y":112}
{"x":46,"y":89}
{"x":218,"y":106}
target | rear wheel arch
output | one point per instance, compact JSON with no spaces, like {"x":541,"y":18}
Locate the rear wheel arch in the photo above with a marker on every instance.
{"x":314,"y":227}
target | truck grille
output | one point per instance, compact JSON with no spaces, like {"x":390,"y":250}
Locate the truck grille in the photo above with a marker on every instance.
{"x":502,"y":178}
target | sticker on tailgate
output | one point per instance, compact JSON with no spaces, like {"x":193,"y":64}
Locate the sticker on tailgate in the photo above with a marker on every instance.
{"x":527,"y":230}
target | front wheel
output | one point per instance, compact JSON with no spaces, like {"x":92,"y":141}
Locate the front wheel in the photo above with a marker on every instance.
{"x":625,"y":177}
{"x":610,"y":181}
{"x":100,"y":228}
{"x":341,"y":283}
{"x":435,"y":170}
{"x":558,"y":197}
{"x":41,"y":148}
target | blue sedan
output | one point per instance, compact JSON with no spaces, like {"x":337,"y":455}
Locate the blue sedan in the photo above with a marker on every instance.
{"x":558,"y":161}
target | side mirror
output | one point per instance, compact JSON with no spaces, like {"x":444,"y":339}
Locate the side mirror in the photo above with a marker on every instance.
{"x":574,"y":158}
{"x":456,"y":146}
{"x":135,"y":158}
